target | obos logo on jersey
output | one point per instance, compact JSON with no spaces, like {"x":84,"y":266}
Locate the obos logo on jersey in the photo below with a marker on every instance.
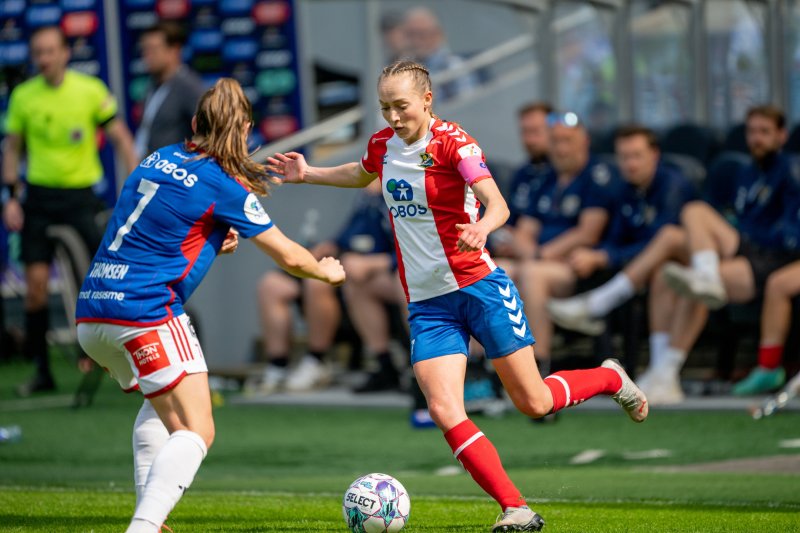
{"x":401,"y":191}
{"x":151,"y":160}
{"x":254,"y":211}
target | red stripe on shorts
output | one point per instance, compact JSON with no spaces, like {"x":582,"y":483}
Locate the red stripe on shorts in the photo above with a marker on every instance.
{"x":176,"y":340}
{"x":182,"y":331}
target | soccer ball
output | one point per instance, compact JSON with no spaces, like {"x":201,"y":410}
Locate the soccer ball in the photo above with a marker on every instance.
{"x":376,"y":503}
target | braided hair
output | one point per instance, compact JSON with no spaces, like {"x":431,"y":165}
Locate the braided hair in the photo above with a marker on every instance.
{"x":418,"y":72}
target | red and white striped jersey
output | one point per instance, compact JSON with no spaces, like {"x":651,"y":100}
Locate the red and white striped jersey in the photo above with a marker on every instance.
{"x":427,"y":187}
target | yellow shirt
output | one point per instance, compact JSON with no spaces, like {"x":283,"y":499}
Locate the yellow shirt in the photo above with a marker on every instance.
{"x":59,"y":127}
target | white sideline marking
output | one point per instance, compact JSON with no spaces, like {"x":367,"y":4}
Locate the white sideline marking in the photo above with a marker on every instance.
{"x":647,"y":454}
{"x":587,"y":456}
{"x":789,"y":443}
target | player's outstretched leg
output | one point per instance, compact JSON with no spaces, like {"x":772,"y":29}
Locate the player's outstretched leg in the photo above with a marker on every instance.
{"x":536,"y":397}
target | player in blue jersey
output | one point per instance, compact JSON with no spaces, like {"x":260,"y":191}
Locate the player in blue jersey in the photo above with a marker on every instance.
{"x":176,"y":212}
{"x":652,"y":198}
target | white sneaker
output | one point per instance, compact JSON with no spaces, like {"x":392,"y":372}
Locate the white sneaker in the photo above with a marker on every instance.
{"x":271,"y":381}
{"x":686,"y":282}
{"x":307,"y":375}
{"x":518,"y":519}
{"x":646,"y":378}
{"x":629,"y":396}
{"x":664,"y":389}
{"x":573,"y":314}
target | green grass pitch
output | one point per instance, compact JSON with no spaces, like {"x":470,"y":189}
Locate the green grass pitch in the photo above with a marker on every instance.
{"x":286,"y":469}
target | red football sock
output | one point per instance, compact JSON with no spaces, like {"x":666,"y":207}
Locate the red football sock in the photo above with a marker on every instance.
{"x":571,"y":387}
{"x":770,"y":356}
{"x":479,"y":457}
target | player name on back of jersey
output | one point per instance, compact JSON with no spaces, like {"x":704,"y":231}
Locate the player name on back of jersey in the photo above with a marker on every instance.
{"x":109,"y":271}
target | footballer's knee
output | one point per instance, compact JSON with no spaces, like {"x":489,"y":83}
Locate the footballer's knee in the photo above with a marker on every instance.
{"x":534,"y":405}
{"x":446,"y":414}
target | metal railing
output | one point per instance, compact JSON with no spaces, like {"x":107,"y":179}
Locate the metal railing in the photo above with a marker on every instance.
{"x":355,"y":114}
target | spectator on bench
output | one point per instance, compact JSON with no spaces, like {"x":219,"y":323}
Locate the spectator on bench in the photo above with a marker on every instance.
{"x":367,"y":243}
{"x":514,"y":241}
{"x":570,"y":208}
{"x":652,"y":199}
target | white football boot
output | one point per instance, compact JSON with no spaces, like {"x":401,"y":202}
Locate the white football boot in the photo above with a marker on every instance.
{"x":518,"y":519}
{"x":629,"y":396}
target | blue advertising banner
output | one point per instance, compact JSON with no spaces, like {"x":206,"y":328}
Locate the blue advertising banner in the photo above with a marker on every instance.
{"x":251,"y":41}
{"x":83,"y":23}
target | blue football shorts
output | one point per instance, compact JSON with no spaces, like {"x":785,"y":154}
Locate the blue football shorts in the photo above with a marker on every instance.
{"x":489,"y":310}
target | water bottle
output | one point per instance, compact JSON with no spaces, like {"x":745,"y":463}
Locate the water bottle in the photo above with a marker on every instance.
{"x":10,"y":434}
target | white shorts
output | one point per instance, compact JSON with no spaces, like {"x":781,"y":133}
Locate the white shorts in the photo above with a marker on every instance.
{"x":151,"y":359}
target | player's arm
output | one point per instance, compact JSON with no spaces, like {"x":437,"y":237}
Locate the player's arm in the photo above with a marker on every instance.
{"x":12,"y":210}
{"x":296,"y":260}
{"x":292,"y":168}
{"x":473,"y":236}
{"x":591,"y":223}
{"x":121,"y":138}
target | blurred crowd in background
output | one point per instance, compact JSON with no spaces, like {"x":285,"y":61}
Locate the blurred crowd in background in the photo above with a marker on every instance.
{"x":622,"y":239}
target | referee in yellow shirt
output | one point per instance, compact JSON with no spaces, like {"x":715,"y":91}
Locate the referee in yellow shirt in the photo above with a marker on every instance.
{"x":54,"y":117}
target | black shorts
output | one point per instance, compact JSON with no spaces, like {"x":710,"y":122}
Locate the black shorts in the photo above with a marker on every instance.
{"x":45,"y":207}
{"x":763,"y":261}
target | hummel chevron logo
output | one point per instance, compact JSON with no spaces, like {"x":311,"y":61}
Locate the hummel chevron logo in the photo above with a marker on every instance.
{"x":443,"y":127}
{"x":520,"y":331}
{"x":512,"y":304}
{"x":516,"y":319}
{"x":506,"y":293}
{"x":461,"y":139}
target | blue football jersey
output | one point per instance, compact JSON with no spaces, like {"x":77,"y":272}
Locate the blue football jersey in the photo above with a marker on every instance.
{"x":169,"y":223}
{"x":639,"y":214}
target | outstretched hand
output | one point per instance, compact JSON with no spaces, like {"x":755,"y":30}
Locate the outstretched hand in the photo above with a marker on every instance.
{"x":472,"y":237}
{"x":291,"y":167}
{"x":334,"y":272}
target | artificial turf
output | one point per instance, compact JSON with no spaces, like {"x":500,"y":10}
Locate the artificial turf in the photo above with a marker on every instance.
{"x":286,"y":469}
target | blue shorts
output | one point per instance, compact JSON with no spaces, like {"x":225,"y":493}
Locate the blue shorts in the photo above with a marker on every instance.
{"x":489,"y":310}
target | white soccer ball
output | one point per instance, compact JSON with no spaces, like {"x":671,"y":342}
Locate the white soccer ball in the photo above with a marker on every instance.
{"x":376,"y":503}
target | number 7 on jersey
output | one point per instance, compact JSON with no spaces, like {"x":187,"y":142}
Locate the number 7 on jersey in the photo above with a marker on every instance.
{"x":148,"y":189}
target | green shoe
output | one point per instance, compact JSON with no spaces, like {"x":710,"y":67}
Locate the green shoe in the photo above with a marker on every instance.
{"x":759,"y":381}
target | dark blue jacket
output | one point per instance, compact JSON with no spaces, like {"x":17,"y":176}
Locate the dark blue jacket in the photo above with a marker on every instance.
{"x":760,"y":195}
{"x":526,"y":179}
{"x":639,"y":214}
{"x":558,"y":209}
